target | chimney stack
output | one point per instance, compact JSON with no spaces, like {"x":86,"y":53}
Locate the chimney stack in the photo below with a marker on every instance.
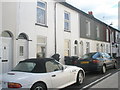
{"x":90,"y":13}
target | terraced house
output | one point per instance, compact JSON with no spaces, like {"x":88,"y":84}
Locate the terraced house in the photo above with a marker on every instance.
{"x":41,"y":28}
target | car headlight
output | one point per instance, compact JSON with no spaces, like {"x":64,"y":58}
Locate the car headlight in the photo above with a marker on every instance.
{"x":14,"y":85}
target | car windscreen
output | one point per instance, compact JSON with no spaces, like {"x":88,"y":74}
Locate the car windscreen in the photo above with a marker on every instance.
{"x":86,"y":56}
{"x":25,"y":67}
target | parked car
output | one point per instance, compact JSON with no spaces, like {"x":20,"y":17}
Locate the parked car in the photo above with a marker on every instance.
{"x":97,"y":61}
{"x":41,"y":74}
{"x":71,"y":60}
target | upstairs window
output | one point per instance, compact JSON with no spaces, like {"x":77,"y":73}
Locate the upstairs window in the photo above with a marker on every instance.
{"x":67,"y":21}
{"x":98,"y":31}
{"x":87,"y":28}
{"x":112,"y":37}
{"x":107,"y":35}
{"x":41,"y":13}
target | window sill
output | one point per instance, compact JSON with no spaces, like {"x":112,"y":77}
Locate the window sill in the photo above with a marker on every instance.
{"x":67,"y":31}
{"x":41,"y":25}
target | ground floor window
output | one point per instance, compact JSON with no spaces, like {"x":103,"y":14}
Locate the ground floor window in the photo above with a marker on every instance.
{"x":75,"y":48}
{"x":107,"y":49}
{"x":97,"y":47}
{"x":87,"y":47}
{"x":66,"y":47}
{"x":81,"y":48}
{"x":102,"y":48}
{"x":41,"y":47}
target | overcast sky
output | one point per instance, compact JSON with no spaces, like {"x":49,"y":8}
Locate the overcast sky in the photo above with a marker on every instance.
{"x":104,"y":10}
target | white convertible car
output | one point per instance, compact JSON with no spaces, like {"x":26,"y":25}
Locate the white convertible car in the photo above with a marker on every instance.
{"x":42,"y":74}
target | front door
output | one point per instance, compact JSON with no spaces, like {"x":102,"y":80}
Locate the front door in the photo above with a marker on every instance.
{"x":7,"y":60}
{"x":22,"y":49}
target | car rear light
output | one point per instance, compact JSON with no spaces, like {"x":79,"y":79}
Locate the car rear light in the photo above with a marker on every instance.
{"x":95,"y":61}
{"x":14,"y":85}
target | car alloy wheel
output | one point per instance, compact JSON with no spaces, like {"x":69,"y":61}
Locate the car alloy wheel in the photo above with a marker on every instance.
{"x":38,"y":86}
{"x":103,"y":69}
{"x":80,"y":77}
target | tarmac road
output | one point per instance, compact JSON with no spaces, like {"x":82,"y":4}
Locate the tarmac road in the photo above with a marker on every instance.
{"x":97,"y":80}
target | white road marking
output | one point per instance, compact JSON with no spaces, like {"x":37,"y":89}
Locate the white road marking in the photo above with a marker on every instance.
{"x":96,"y":81}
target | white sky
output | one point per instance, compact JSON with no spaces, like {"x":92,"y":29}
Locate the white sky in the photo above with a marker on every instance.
{"x":104,"y":10}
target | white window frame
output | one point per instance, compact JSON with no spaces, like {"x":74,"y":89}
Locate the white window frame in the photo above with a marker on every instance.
{"x":112,"y":36}
{"x":68,"y":47}
{"x":97,"y":47}
{"x":107,"y":47}
{"x":87,"y":47}
{"x":75,"y":50}
{"x":87,"y":28}
{"x":107,"y":34}
{"x":45,"y":16}
{"x":67,"y":21}
{"x":98,"y":31}
{"x":21,"y":51}
{"x":41,"y":44}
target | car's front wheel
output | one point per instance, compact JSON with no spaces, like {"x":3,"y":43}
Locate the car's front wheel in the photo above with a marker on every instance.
{"x":39,"y":86}
{"x":80,"y":77}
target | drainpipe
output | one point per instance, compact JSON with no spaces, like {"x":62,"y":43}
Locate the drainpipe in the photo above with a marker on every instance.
{"x":55,"y":27}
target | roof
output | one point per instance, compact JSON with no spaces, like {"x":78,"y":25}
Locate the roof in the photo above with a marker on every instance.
{"x":87,"y":15}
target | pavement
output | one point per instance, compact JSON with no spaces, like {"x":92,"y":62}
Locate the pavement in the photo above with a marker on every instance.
{"x":110,"y":82}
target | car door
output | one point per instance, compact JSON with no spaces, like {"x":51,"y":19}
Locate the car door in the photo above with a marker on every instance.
{"x":111,"y":62}
{"x":58,"y":76}
{"x":107,"y":59}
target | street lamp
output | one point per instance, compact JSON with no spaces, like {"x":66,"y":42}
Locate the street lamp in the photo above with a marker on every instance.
{"x":108,"y":26}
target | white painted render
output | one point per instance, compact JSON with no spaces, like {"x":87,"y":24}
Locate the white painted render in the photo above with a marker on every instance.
{"x":63,"y":35}
{"x":20,"y":17}
{"x":0,"y":40}
{"x":9,"y":23}
{"x":0,"y":46}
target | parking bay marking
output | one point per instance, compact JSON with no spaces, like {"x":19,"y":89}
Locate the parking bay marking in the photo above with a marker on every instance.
{"x":96,"y":81}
